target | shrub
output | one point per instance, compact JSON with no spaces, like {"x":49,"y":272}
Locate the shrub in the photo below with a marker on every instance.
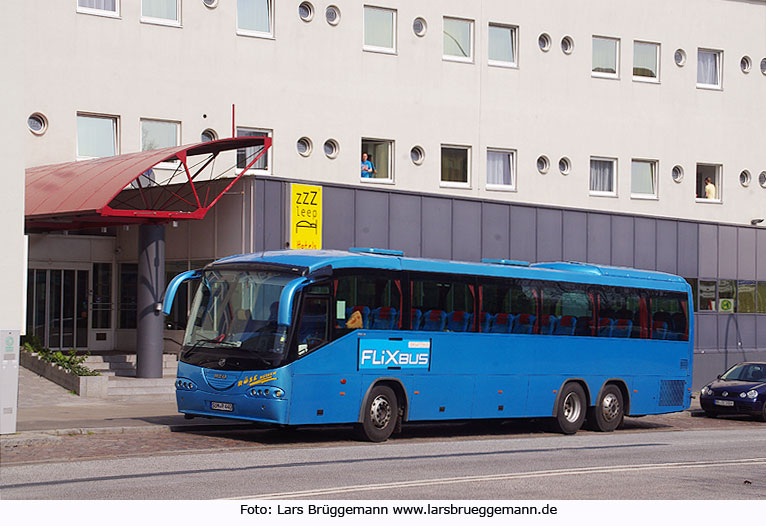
{"x":69,"y":361}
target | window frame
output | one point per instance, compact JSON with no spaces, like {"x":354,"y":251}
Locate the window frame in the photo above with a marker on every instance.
{"x":100,"y":12}
{"x":599,"y":193}
{"x":601,"y":74}
{"x":257,"y":171}
{"x":162,"y":21}
{"x":718,"y":86}
{"x":657,"y":55}
{"x":169,"y":165}
{"x":654,"y":163}
{"x":455,"y":184}
{"x":257,"y":34}
{"x":717,"y":182}
{"x":471,"y":36}
{"x":391,"y":156}
{"x":502,"y":187}
{"x":514,"y":43}
{"x":115,"y":128}
{"x":394,"y":33}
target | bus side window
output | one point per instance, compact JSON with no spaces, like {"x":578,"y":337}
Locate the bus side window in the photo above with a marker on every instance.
{"x":365,"y":300}
{"x":312,"y":331}
{"x":442,"y":305}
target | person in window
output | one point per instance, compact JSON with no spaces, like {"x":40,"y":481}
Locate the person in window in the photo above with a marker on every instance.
{"x":366,"y":166}
{"x":709,"y":189}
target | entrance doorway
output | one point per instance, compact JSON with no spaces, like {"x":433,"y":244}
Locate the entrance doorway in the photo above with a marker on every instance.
{"x":57,"y":307}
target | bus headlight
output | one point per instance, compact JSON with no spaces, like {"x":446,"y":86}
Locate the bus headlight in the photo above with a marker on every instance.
{"x":278,"y":393}
{"x":185,"y":385}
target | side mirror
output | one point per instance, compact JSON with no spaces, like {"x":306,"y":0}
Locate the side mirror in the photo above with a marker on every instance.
{"x":170,"y":292}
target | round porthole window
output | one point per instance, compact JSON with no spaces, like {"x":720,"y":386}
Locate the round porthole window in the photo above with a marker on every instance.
{"x":679,"y":57}
{"x":762,"y":179}
{"x":417,"y":155}
{"x":37,"y":123}
{"x":208,"y":135}
{"x":332,"y":14}
{"x":419,"y":27}
{"x":304,"y":146}
{"x":744,"y":178}
{"x":763,"y":66}
{"x":210,"y":3}
{"x":306,"y":11}
{"x":544,"y":41}
{"x":677,"y":174}
{"x":543,"y":164}
{"x":567,"y":45}
{"x":331,"y":148}
{"x":565,"y":166}
{"x":745,"y":64}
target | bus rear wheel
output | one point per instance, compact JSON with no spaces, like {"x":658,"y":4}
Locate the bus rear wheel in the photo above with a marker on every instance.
{"x":609,"y":412}
{"x":380,"y":413}
{"x":570,"y":412}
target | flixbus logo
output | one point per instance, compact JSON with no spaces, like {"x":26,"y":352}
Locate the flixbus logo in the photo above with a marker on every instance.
{"x":375,"y":354}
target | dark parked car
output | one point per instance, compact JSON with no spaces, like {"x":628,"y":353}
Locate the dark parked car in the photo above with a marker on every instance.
{"x":740,"y":390}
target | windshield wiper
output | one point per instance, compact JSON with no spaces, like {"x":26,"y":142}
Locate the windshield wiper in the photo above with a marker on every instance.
{"x":220,"y":343}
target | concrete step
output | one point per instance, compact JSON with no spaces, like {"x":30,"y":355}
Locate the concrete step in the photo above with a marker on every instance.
{"x":125,"y":360}
{"x":120,"y":386}
{"x":168,"y":372}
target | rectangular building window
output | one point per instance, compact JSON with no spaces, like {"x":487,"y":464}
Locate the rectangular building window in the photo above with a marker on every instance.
{"x":455,"y":165}
{"x":101,"y":305}
{"x":727,"y":295}
{"x":255,"y":18}
{"x":709,"y":68}
{"x":99,"y":7}
{"x":96,"y":136}
{"x":161,"y":12}
{"x":246,"y":155}
{"x":643,"y":179}
{"x":502,"y":45}
{"x":159,"y":134}
{"x":708,"y":183}
{"x":379,"y":156}
{"x":606,"y":57}
{"x":501,"y":169}
{"x":603,"y":176}
{"x":646,"y":61}
{"x":128,"y":291}
{"x":379,"y":29}
{"x":761,"y":299}
{"x":708,"y":295}
{"x":458,"y":39}
{"x":746,"y":293}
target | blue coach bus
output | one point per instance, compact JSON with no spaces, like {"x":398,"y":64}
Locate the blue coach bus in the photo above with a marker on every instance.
{"x":373,"y":338}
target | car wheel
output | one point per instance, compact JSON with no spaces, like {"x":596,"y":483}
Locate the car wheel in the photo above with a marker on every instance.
{"x":762,"y":418}
{"x":381,"y":412}
{"x":609,"y":412}
{"x":570,"y":412}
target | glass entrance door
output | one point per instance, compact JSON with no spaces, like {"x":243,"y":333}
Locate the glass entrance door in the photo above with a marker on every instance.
{"x":57,"y":307}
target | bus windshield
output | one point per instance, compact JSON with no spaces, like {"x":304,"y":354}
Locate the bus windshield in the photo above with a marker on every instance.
{"x":233,"y":321}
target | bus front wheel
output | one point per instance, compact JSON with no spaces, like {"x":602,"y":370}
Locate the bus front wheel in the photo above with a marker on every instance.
{"x":609,"y":412}
{"x":570,"y":412}
{"x":380,"y":414}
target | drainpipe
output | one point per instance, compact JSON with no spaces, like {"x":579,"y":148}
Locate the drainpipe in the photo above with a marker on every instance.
{"x":726,"y":339}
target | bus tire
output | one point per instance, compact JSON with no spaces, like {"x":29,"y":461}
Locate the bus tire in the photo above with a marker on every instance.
{"x":380,"y":414}
{"x":609,"y":411}
{"x":570,"y":413}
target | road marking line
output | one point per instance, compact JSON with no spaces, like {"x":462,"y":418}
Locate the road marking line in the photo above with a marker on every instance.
{"x":504,"y":476}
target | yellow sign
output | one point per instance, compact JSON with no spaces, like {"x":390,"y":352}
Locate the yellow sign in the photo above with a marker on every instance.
{"x":305,"y":216}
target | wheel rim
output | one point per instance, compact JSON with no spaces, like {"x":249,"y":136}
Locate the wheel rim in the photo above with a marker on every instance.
{"x":610,"y":407}
{"x":380,"y":412}
{"x":572,"y":407}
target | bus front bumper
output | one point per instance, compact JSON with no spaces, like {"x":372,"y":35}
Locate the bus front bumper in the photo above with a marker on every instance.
{"x":219,"y":405}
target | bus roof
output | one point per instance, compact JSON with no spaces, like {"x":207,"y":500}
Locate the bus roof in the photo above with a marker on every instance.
{"x":308,"y":261}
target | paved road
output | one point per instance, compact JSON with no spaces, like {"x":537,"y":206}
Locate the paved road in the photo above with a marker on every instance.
{"x":724,"y":463}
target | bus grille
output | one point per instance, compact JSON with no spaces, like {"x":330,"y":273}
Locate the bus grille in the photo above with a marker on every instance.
{"x":672,"y":392}
{"x":221,"y":380}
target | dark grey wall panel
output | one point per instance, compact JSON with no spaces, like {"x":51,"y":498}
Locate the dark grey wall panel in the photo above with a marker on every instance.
{"x":688,"y":250}
{"x":258,"y":214}
{"x":746,"y":250}
{"x":523,"y":238}
{"x":760,"y":336}
{"x":727,"y":252}
{"x":338,"y":216}
{"x":229,"y":234}
{"x":466,"y":230}
{"x":732,"y":322}
{"x":549,"y":235}
{"x":746,"y":330}
{"x":495,"y":231}
{"x":667,"y":246}
{"x":760,"y":263}
{"x":599,"y":235}
{"x":404,"y":219}
{"x":575,"y":236}
{"x":622,"y":241}
{"x":646,"y":243}
{"x":275,"y":215}
{"x":371,"y":219}
{"x":708,"y":251}
{"x":437,"y":227}
{"x":707,"y":333}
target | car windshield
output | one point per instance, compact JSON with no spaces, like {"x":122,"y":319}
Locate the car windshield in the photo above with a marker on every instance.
{"x":748,"y":372}
{"x":233,"y":321}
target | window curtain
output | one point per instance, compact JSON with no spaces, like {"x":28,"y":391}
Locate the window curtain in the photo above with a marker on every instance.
{"x":601,"y":176}
{"x":642,"y":178}
{"x":165,"y":9}
{"x":501,"y":44}
{"x":378,"y":27}
{"x":499,"y":168}
{"x":254,"y":15}
{"x":707,"y":68}
{"x":645,"y":60}
{"x":105,"y":5}
{"x":246,"y":155}
{"x":604,"y":55}
{"x":457,"y":38}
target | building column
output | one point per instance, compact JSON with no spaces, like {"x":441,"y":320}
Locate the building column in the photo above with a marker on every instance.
{"x":151,"y":287}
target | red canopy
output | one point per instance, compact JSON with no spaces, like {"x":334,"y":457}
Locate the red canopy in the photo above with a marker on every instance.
{"x":84,"y":194}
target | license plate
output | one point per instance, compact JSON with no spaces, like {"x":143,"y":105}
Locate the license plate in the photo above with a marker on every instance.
{"x":727,"y":403}
{"x":222,"y":406}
